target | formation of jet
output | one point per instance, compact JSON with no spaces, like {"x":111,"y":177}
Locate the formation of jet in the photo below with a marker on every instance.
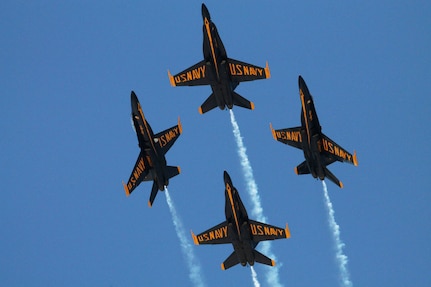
{"x":224,"y":74}
{"x":319,"y":150}
{"x":151,"y":163}
{"x":242,"y":232}
{"x":216,"y":69}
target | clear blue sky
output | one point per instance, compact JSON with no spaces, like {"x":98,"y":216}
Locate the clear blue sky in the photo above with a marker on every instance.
{"x":66,"y":72}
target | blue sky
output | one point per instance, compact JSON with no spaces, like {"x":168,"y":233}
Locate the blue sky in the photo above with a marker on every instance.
{"x":66,"y":72}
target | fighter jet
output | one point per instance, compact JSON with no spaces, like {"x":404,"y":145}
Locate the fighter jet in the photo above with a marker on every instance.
{"x":243,"y":233}
{"x":151,"y":163}
{"x":319,"y":150}
{"x":219,"y":71}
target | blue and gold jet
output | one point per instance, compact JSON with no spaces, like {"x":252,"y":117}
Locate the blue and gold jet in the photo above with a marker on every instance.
{"x":151,"y":163}
{"x":244,"y":234}
{"x":319,"y":150}
{"x":219,"y":71}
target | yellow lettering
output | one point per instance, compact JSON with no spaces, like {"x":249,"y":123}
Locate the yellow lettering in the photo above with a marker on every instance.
{"x":260,"y":72}
{"x":239,"y":70}
{"x":232,"y":69}
{"x":253,"y":229}
{"x":218,"y":233}
{"x":225,"y":230}
{"x":196,"y":74}
{"x":246,"y":71}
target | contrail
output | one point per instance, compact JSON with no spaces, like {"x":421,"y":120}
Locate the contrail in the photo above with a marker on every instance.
{"x":195,"y":273}
{"x":272,"y":275}
{"x":254,"y":277}
{"x":339,"y":245}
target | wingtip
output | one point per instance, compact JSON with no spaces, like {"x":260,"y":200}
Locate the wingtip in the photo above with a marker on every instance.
{"x":222,"y":267}
{"x":355,"y":159}
{"x":179,"y":169}
{"x":287,"y":231}
{"x":149,"y":204}
{"x":341,"y":185}
{"x":272,"y":262}
{"x":251,"y":105}
{"x":267,"y":71}
{"x":296,"y":170}
{"x":272,"y":131}
{"x":195,"y":239}
{"x":200,"y":110}
{"x":171,"y":79}
{"x":180,"y":126}
{"x":126,"y":189}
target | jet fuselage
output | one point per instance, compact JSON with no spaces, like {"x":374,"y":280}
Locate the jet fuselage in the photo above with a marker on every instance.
{"x":311,"y":132}
{"x":238,"y":224}
{"x":153,"y":158}
{"x":217,"y":65}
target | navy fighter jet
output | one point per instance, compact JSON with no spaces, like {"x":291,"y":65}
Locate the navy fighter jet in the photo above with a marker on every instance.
{"x":242,"y":232}
{"x":319,"y":150}
{"x":151,"y":163}
{"x":219,"y":71}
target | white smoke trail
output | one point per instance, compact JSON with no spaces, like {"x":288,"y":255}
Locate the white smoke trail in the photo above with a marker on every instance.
{"x":254,"y":277}
{"x":195,"y":273}
{"x":272,"y":275}
{"x":339,"y":245}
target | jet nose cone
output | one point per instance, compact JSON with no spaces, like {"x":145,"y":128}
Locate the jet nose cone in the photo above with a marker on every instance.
{"x":226,"y":176}
{"x":303,"y":87}
{"x":133,"y":98}
{"x":205,"y":13}
{"x":301,"y":81}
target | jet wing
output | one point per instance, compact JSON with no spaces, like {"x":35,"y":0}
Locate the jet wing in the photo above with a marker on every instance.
{"x":241,"y":71}
{"x":194,"y":76}
{"x":140,"y":173}
{"x":167,"y":137}
{"x":215,"y":235}
{"x":291,"y":136}
{"x":334,"y":151}
{"x":262,"y":231}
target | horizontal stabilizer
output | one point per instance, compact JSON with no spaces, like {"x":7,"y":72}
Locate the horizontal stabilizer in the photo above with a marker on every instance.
{"x":302,"y":168}
{"x":260,"y":258}
{"x":242,"y":102}
{"x":232,"y":260}
{"x":209,"y":104}
{"x":332,"y":177}
{"x":171,"y":171}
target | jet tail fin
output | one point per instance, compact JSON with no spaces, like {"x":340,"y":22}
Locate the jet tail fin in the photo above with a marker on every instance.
{"x":232,"y":260}
{"x":208,"y":105}
{"x":333,"y":178}
{"x":242,"y":102}
{"x":171,"y":171}
{"x":153,"y":194}
{"x":259,"y":257}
